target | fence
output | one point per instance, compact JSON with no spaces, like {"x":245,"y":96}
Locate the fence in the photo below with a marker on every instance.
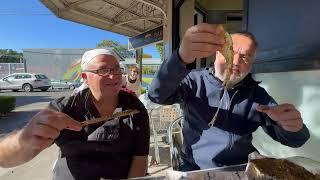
{"x":9,"y":68}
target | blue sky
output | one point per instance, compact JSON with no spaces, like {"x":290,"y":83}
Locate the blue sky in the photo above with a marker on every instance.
{"x":29,"y":24}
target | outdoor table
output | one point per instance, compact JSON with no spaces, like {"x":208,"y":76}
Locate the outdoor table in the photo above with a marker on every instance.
{"x":234,"y":172}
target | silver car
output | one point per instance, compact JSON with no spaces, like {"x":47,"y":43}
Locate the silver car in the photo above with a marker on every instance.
{"x":62,"y":84}
{"x":25,"y":81}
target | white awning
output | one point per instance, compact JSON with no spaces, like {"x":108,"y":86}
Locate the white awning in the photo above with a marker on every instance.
{"x":125,"y":17}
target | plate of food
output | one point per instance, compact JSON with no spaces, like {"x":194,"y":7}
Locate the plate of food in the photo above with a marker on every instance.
{"x":261,"y":167}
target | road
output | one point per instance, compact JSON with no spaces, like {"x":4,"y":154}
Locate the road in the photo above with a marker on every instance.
{"x":27,"y":105}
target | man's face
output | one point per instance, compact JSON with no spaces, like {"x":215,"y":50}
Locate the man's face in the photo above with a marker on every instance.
{"x":107,"y":80}
{"x":244,"y":54}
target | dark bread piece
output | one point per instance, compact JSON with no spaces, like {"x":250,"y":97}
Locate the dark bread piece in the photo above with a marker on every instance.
{"x":280,"y":169}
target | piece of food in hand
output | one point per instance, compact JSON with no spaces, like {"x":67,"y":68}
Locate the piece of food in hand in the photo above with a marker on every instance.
{"x":227,"y":52}
{"x":279,"y":169}
{"x":128,"y":112}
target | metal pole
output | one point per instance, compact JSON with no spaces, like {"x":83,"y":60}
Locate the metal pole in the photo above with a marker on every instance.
{"x":155,"y":136}
{"x":139,"y":53}
{"x":25,"y":65}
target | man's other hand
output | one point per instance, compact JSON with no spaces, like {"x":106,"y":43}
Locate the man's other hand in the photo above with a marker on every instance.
{"x":285,"y":115}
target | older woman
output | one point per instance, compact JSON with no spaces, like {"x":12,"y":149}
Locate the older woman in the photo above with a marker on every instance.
{"x":133,"y":82}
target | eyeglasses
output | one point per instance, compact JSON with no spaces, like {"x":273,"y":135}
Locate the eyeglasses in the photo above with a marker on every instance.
{"x":246,"y":58}
{"x":107,"y":71}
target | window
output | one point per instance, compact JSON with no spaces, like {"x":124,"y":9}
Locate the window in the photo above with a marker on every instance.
{"x":41,"y":76}
{"x":27,"y":76}
{"x":284,"y":45}
{"x":22,"y":76}
{"x":10,"y":78}
{"x":18,"y":76}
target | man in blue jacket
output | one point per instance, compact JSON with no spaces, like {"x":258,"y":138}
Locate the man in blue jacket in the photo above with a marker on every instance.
{"x":218,"y":124}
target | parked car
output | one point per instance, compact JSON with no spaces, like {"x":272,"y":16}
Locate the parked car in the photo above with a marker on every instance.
{"x":63,"y":84}
{"x":25,"y":81}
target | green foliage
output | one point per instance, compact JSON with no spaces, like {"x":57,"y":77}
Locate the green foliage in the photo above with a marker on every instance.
{"x":147,"y":80}
{"x":9,"y":56}
{"x":147,"y":70}
{"x":7,"y":104}
{"x":143,"y":90}
{"x":160,"y":49}
{"x":122,"y":49}
{"x":9,"y":52}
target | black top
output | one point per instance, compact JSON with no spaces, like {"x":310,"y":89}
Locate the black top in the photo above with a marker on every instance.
{"x":104,"y":149}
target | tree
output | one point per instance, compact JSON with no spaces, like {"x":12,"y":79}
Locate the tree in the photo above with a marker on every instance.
{"x":122,"y":49}
{"x":146,"y":56}
{"x":160,"y":49}
{"x":9,"y":56}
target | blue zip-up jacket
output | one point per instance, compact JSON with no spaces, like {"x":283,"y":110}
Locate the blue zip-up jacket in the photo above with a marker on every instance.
{"x":228,"y":142}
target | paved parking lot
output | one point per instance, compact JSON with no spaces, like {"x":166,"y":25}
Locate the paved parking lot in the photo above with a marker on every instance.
{"x":27,"y":104}
{"x":24,"y":98}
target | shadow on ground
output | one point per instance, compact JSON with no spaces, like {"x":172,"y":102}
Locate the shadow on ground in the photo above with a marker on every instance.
{"x":25,"y":100}
{"x":14,"y":121}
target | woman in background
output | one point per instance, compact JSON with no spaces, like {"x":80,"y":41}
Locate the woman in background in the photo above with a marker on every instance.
{"x":132,"y":82}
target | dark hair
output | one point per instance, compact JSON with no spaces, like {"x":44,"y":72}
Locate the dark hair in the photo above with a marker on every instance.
{"x":249,"y":35}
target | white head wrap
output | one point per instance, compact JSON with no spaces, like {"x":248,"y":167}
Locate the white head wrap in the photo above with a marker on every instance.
{"x":88,"y":56}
